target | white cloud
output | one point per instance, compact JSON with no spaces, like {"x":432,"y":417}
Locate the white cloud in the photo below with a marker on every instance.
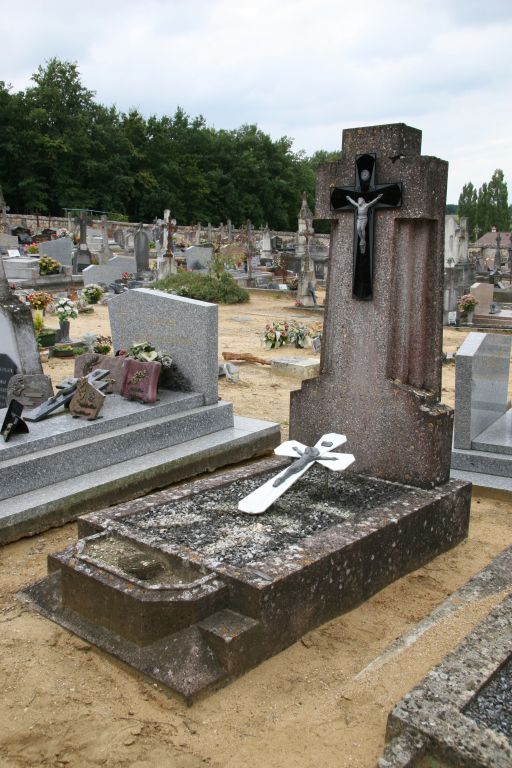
{"x":293,"y":67}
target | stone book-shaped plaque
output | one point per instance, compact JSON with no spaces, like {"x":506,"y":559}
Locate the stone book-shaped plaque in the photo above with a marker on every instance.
{"x":87,"y":401}
{"x":141,"y":381}
{"x":29,"y":389}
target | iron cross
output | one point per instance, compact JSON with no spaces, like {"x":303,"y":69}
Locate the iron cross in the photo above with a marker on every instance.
{"x":261,"y":499}
{"x":364,"y":198}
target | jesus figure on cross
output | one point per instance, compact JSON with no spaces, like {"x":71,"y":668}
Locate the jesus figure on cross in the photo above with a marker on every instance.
{"x":362,"y":218}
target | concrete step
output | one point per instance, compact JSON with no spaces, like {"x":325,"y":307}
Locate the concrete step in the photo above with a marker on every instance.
{"x":86,"y":454}
{"x":483,"y":462}
{"x":63,"y":500}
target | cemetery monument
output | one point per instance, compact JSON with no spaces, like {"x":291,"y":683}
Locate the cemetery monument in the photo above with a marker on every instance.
{"x":190,"y":590}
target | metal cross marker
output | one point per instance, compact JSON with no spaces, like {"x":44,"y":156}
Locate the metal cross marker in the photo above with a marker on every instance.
{"x":261,"y":499}
{"x":368,"y":197}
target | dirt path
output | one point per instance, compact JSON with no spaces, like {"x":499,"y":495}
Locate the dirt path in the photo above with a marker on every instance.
{"x":63,"y":703}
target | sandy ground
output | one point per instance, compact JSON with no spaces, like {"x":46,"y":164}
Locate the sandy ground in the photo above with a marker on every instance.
{"x":63,"y":703}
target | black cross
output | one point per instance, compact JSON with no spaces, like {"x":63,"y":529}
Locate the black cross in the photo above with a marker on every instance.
{"x":365,"y":191}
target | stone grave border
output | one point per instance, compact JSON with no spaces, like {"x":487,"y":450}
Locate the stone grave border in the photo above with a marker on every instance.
{"x":429,"y":722}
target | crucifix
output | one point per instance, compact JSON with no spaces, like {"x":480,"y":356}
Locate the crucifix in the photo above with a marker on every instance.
{"x":261,"y":499}
{"x":364,"y":198}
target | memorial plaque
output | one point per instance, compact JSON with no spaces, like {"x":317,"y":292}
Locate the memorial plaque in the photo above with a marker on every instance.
{"x":65,"y":394}
{"x":87,"y":401}
{"x":141,"y":381}
{"x":13,"y":423}
{"x":7,"y":370}
{"x":91,"y":361}
{"x":29,"y":389}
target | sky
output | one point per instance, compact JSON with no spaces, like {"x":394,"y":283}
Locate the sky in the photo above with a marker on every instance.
{"x":297,"y":68}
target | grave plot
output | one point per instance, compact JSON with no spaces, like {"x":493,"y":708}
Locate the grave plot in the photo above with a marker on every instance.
{"x":193,"y":593}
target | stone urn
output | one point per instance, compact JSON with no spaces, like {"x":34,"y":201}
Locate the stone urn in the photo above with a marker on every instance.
{"x":64,"y":330}
{"x":469,"y":316}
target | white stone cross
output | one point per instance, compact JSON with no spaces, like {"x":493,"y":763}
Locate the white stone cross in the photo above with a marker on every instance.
{"x":261,"y":499}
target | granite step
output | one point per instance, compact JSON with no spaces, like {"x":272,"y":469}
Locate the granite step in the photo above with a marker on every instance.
{"x":61,"y":501}
{"x":483,"y":462}
{"x":22,"y":474}
{"x":497,"y":438}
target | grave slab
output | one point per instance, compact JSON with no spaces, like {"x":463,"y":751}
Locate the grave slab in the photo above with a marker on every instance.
{"x":300,"y":368}
{"x":317,"y":553}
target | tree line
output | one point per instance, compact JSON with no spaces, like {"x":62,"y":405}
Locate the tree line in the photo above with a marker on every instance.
{"x":486,"y":208}
{"x":60,"y":148}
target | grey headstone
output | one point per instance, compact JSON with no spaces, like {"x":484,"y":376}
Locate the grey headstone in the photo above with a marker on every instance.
{"x":198,"y":257}
{"x":141,"y":247}
{"x":8,"y":369}
{"x":184,"y":328}
{"x":107,"y":273}
{"x":481,"y":384}
{"x":60,"y":249}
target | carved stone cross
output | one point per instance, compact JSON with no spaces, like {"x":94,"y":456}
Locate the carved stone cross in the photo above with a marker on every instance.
{"x":365,"y":197}
{"x":261,"y":499}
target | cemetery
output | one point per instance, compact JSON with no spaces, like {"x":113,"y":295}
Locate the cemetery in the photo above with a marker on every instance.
{"x":283,"y":515}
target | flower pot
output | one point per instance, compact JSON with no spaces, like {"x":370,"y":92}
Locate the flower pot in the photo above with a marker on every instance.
{"x":469,"y":316}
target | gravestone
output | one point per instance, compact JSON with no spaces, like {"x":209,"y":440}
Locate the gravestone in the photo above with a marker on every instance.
{"x":8,"y":241}
{"x":141,"y":246}
{"x":18,"y":341}
{"x":380,"y":367}
{"x":185,"y":329}
{"x":198,"y":257}
{"x":107,"y":273}
{"x":119,"y":237}
{"x":60,"y":249}
{"x":483,"y":293}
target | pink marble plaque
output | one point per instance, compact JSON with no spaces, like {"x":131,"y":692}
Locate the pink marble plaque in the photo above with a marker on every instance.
{"x":141,"y":381}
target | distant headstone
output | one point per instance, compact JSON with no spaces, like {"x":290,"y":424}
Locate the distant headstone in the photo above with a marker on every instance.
{"x":483,"y":293}
{"x":107,"y":273}
{"x":60,"y":249}
{"x":8,"y":241}
{"x":185,"y":329}
{"x":198,"y":257}
{"x":29,"y":389}
{"x":8,"y":369}
{"x":141,"y":247}
{"x":119,"y":237}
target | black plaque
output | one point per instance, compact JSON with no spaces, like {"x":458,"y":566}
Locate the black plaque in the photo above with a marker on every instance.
{"x":13,"y":423}
{"x":7,"y":370}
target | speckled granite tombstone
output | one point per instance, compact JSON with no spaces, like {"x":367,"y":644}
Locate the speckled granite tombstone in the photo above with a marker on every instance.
{"x":184,"y":328}
{"x":380,"y":367}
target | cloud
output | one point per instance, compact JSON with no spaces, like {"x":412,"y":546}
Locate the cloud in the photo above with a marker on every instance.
{"x":295,"y":68}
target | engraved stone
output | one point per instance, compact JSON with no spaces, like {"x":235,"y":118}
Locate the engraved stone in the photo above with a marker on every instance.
{"x":13,"y":423}
{"x":141,"y":381}
{"x":29,"y":389}
{"x":91,"y":361}
{"x":8,"y":369}
{"x":87,"y":401}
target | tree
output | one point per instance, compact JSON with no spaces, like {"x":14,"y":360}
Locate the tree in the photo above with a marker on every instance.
{"x":468,"y":205}
{"x":498,"y":201}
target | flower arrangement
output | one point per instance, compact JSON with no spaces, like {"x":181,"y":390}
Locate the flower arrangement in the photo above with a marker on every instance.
{"x":466,"y":303}
{"x":102,"y":345}
{"x":32,"y":249}
{"x":146,"y":353}
{"x":275,"y":335}
{"x":65,"y":309}
{"x":278,"y":334}
{"x":39,"y":300}
{"x":298,"y":335}
{"x":48,"y":266}
{"x":38,"y":322}
{"x":92,"y":293}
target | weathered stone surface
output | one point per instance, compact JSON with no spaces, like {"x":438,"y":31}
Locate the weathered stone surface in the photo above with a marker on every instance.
{"x":186,"y":329}
{"x":300,"y":368}
{"x":29,"y":389}
{"x":8,"y":369}
{"x":275,"y":577}
{"x":380,"y":368}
